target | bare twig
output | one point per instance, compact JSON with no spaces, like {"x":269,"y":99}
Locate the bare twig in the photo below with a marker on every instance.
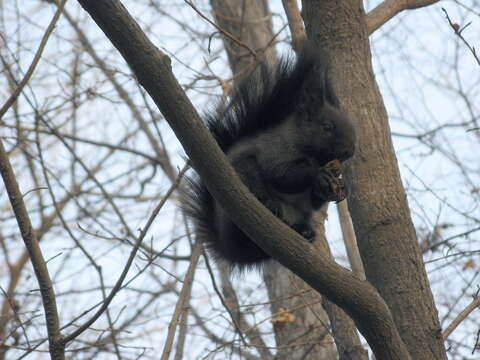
{"x":222,"y":300}
{"x":183,"y":299}
{"x":118,"y":284}
{"x":107,"y":145}
{"x":13,"y":97}
{"x":154,"y":142}
{"x":458,"y":31}
{"x":223,"y":31}
{"x":253,"y":335}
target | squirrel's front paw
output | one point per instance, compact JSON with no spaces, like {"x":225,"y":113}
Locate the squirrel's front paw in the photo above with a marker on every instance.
{"x":329,"y":184}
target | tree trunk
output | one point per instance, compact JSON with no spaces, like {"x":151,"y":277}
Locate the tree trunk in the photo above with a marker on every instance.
{"x":377,"y":201}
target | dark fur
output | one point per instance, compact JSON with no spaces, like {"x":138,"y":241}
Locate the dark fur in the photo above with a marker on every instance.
{"x":279,"y":130}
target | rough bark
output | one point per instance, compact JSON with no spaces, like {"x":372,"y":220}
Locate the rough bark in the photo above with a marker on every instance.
{"x":377,"y":201}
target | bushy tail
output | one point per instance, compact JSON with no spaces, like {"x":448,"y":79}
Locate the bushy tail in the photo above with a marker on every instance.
{"x":237,"y":251}
{"x":199,"y":206}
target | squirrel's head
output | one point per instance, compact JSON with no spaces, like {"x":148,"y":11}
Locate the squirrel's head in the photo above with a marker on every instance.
{"x":328,"y":134}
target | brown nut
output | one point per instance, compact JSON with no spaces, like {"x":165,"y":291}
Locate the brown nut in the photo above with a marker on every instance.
{"x":335,"y":166}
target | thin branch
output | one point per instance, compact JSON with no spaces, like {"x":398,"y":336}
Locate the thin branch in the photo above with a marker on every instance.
{"x":389,"y":8}
{"x":13,"y":97}
{"x":295,"y":22}
{"x":161,"y":153}
{"x":56,"y":347}
{"x":224,"y":32}
{"x":222,"y":300}
{"x":35,"y":254}
{"x":149,"y":157}
{"x":183,"y":299}
{"x":231,"y":300}
{"x":462,"y":316}
{"x":118,"y":284}
{"x":350,"y":240}
{"x":458,"y":31}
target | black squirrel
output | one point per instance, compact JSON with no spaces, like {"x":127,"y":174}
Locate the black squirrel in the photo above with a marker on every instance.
{"x":286,"y":137}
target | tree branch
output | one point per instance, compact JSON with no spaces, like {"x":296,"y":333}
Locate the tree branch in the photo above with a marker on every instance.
{"x":56,"y":347}
{"x":38,"y":262}
{"x":38,"y":55}
{"x":462,"y":316}
{"x":458,"y":31}
{"x":389,"y":8}
{"x":295,"y":22}
{"x":183,"y":300}
{"x":118,"y":284}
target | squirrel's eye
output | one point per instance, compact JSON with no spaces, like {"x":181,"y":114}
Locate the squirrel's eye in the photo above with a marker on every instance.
{"x":327,"y":126}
